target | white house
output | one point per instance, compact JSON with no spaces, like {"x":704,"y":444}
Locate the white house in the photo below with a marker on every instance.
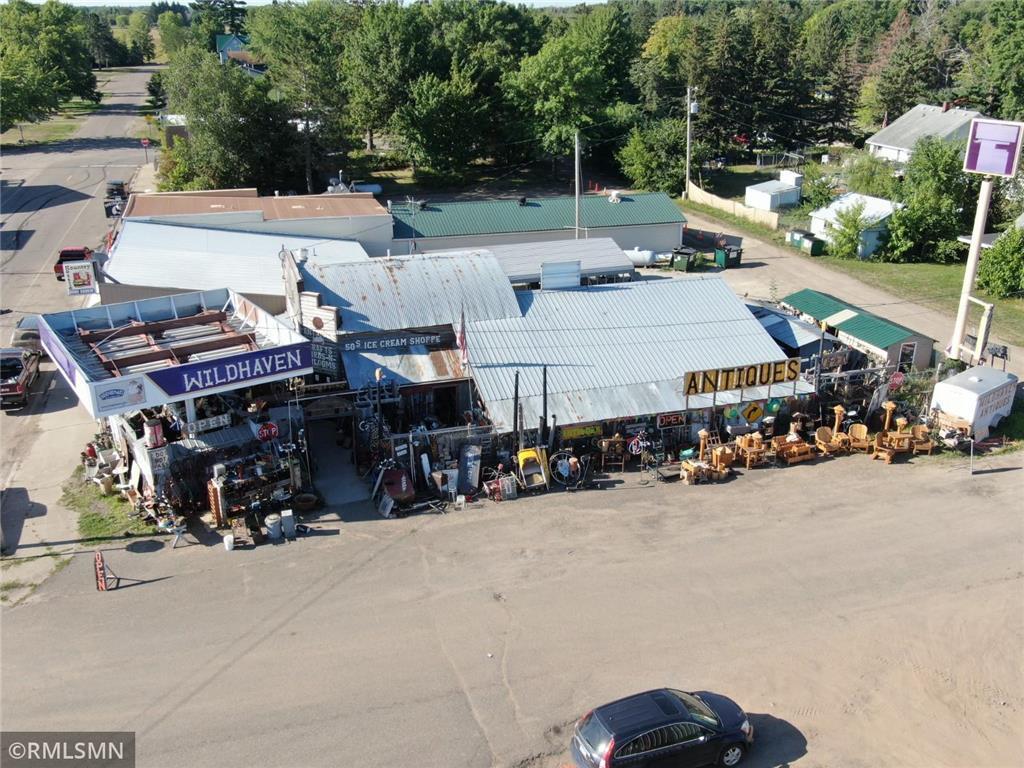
{"x":896,"y":141}
{"x":773,"y":195}
{"x":875,"y":215}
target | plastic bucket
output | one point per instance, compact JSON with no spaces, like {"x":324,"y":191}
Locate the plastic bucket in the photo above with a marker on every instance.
{"x":229,"y":541}
{"x":273,"y":523}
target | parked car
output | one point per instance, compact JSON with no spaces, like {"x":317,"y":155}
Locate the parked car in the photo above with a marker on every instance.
{"x":664,"y":728}
{"x":26,"y":334}
{"x":19,"y":368}
{"x":70,"y":254}
{"x":116,"y":188}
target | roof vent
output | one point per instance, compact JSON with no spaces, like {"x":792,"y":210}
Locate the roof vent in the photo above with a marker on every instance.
{"x":522,"y":202}
{"x":614,"y":196}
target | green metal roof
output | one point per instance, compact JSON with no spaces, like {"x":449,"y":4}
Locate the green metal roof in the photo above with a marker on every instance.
{"x":540,"y":214}
{"x":869,"y":328}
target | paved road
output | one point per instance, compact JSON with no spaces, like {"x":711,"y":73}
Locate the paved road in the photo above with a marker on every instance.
{"x":48,"y":201}
{"x":863,"y":614}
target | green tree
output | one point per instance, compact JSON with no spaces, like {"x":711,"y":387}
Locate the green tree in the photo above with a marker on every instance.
{"x":303,"y":49}
{"x":385,"y":54}
{"x":940,"y":201}
{"x":1001,"y":271}
{"x":819,"y":185}
{"x":993,"y":75}
{"x":654,"y":157}
{"x":173,"y":34}
{"x":208,"y":21}
{"x":140,"y":41}
{"x":669,"y":60}
{"x":872,"y":175}
{"x":439,"y":123}
{"x":157,"y":93}
{"x":238,"y":135}
{"x":105,"y":49}
{"x":44,"y":60}
{"x":846,"y":233}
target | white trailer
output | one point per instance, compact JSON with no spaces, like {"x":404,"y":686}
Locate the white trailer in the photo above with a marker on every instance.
{"x":980,"y":396}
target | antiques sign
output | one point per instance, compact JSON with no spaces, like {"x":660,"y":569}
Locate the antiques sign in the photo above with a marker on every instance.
{"x":384,"y":342}
{"x":724,"y":379}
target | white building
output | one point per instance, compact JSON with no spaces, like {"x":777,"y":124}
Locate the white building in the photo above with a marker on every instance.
{"x":875,"y":215}
{"x":773,"y":195}
{"x":896,"y":141}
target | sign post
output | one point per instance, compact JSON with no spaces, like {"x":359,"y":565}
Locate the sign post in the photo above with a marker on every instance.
{"x":993,"y":149}
{"x":145,"y":148}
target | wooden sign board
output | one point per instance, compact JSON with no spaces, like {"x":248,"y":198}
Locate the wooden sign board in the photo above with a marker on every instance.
{"x":581,"y":430}
{"x":724,"y":379}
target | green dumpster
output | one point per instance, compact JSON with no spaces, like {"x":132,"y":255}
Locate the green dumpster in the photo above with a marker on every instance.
{"x":686,"y":257}
{"x":813,"y":245}
{"x":729,"y":256}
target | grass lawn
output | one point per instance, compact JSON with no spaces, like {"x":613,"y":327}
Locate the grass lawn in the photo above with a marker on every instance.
{"x":100,"y":517}
{"x":733,"y":181}
{"x":56,"y":128}
{"x":931,"y":285}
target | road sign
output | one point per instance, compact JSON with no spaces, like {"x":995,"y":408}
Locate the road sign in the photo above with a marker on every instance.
{"x":993,"y":147}
{"x":145,"y":142}
{"x":267,"y":431}
{"x":752,"y":412}
{"x":80,"y":277}
{"x":896,"y":380}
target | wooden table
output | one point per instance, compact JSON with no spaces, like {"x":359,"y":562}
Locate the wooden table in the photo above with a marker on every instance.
{"x":899,"y":441}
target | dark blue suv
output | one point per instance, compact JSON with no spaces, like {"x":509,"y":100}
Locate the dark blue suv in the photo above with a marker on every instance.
{"x":663,"y":729}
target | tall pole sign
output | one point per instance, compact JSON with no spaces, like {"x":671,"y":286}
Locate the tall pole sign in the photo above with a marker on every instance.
{"x":993,"y":149}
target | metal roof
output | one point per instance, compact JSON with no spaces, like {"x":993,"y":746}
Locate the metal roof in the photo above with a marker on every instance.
{"x":869,"y":328}
{"x":598,"y":256}
{"x":539,"y":214}
{"x":773,"y":186}
{"x":876,"y":209}
{"x":924,"y":120}
{"x":198,"y":258}
{"x":789,"y":330}
{"x":416,"y":365}
{"x":419,"y":291}
{"x":616,"y":351}
{"x":160,"y":204}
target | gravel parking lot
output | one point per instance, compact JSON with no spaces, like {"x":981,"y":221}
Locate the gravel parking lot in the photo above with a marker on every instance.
{"x":863,"y":614}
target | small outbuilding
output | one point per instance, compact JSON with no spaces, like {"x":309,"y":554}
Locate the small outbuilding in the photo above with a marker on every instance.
{"x":775,"y":194}
{"x":896,"y":141}
{"x":874,"y":215}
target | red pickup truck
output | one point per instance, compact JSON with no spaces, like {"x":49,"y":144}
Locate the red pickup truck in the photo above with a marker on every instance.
{"x":19,"y":368}
{"x":70,"y":254}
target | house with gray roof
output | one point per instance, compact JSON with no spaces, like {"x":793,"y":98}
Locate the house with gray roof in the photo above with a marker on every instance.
{"x":896,"y":141}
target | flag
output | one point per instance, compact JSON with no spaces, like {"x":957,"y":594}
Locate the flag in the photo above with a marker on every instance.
{"x":461,"y":340}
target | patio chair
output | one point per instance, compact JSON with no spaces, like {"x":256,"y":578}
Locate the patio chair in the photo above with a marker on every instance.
{"x":859,"y":440}
{"x":922,"y":441}
{"x":826,"y":441}
{"x":881,"y":450}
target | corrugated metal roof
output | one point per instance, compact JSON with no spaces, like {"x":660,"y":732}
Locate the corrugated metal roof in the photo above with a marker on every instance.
{"x":484,"y":217}
{"x":773,"y":186}
{"x":924,"y":120}
{"x":868,"y":327}
{"x":197,"y":258}
{"x":417,"y":365}
{"x":613,"y":351}
{"x":418,"y":291}
{"x":599,"y":256}
{"x":876,"y":209}
{"x":789,"y":330}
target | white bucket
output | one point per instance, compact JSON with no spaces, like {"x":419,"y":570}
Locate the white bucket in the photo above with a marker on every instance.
{"x":229,"y":541}
{"x":273,"y":523}
{"x":460,"y":502}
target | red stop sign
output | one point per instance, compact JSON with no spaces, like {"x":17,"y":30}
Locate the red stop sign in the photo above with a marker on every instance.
{"x":896,"y":380}
{"x":145,"y":142}
{"x":267,"y":431}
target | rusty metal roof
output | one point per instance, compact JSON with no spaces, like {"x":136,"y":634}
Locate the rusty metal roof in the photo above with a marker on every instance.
{"x":410,"y":292}
{"x":414,"y":365}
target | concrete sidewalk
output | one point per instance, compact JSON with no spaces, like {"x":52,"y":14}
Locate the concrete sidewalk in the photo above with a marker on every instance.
{"x":769,"y":271}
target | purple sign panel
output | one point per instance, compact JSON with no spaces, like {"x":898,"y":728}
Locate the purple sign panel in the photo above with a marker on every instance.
{"x":195,"y":378}
{"x":993,"y":147}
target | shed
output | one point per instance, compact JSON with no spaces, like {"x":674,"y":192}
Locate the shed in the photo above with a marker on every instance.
{"x":881,"y":339}
{"x":896,"y":141}
{"x":772,"y":195}
{"x":980,"y":396}
{"x":875,"y":215}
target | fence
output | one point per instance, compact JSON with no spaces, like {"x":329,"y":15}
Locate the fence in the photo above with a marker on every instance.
{"x":765,"y":218}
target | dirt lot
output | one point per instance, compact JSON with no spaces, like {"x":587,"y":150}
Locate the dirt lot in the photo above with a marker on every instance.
{"x":865,"y":615}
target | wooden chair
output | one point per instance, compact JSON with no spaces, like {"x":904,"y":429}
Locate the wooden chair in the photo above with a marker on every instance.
{"x":826,"y":442}
{"x":859,"y":440}
{"x":881,"y":450}
{"x":922,"y":441}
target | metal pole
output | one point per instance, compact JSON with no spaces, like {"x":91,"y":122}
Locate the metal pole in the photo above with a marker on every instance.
{"x":686,"y":186}
{"x":576,"y":183}
{"x":544,"y":406}
{"x":973,"y":255}
{"x":972,"y":455}
{"x":515,"y":412}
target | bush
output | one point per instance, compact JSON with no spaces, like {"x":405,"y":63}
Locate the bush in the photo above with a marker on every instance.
{"x":1001,"y":271}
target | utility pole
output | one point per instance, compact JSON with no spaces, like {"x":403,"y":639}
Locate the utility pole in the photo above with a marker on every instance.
{"x":689,"y":110}
{"x":576,"y":183}
{"x":973,"y":255}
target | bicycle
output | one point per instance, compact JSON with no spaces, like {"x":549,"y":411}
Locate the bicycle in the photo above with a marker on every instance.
{"x":640,"y":445}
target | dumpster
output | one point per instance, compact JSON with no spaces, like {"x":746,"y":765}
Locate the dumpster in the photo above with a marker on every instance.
{"x":729,"y":256}
{"x":812,"y":245}
{"x":685,"y":257}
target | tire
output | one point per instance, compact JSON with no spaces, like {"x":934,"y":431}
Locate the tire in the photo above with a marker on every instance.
{"x":732,"y":755}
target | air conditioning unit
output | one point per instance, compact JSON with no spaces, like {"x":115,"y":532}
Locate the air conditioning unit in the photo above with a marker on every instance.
{"x":614,"y":196}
